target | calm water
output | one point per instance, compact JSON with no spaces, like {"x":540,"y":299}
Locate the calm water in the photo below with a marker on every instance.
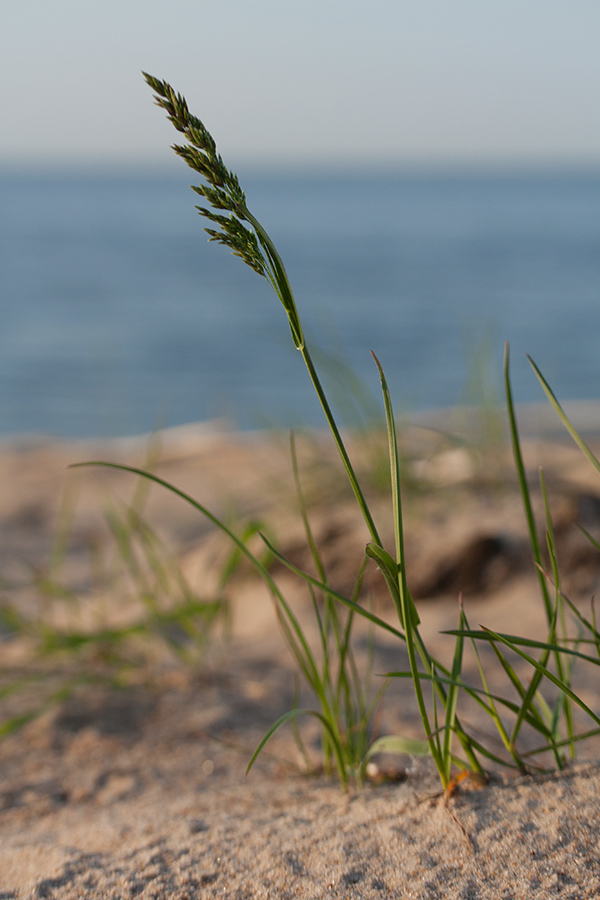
{"x":117,"y":315}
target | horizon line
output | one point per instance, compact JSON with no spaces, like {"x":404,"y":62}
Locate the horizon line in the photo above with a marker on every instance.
{"x":327,"y":167}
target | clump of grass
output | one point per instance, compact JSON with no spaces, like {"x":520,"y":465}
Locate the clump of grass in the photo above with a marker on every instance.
{"x":238,"y":229}
{"x":344,"y":707}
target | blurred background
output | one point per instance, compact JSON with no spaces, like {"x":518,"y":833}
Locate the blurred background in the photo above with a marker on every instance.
{"x":430,"y":172}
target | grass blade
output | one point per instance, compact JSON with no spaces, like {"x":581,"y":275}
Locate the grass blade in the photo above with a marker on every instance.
{"x":547,"y":674}
{"x":524,"y":487}
{"x":564,"y":418}
{"x":407,"y":611}
{"x":294,"y":714}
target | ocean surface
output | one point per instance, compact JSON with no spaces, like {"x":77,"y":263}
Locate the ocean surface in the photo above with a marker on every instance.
{"x":117,"y":316}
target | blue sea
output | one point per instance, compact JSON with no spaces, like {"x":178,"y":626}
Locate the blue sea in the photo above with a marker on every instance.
{"x":117,"y":315}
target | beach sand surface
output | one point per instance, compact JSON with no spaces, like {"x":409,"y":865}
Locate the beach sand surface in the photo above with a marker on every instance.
{"x":142,"y":791}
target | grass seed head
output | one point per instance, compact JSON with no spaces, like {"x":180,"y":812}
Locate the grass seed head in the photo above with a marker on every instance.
{"x":222,"y":189}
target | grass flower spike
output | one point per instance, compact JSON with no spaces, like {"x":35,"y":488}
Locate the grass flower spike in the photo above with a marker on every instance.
{"x":224,"y":193}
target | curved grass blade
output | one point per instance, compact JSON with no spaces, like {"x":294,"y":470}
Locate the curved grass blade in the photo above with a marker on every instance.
{"x":391,"y":572}
{"x":396,"y":744}
{"x":564,"y":418}
{"x":295,"y":629}
{"x":527,"y":642}
{"x":547,"y":674}
{"x":294,"y":714}
{"x":322,"y":586}
{"x":594,"y":732}
{"x":475,"y":693}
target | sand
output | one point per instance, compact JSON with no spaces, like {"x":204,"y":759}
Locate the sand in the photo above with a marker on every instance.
{"x":142,"y":791}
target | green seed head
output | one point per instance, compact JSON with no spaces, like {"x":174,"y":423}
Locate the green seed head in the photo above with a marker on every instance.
{"x":222,"y":188}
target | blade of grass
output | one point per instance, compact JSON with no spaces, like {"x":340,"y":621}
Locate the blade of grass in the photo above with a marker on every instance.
{"x":547,"y":674}
{"x":523,"y":485}
{"x":475,"y":693}
{"x":504,"y":736}
{"x":294,"y":625}
{"x":452,"y":696}
{"x":563,"y":672}
{"x":532,"y":689}
{"x":407,"y":611}
{"x":564,"y":418}
{"x":294,"y":714}
{"x":527,"y":642}
{"x":396,"y":744}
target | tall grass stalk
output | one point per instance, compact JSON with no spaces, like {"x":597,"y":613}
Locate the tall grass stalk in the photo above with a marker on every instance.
{"x":238,"y":229}
{"x":253,"y":245}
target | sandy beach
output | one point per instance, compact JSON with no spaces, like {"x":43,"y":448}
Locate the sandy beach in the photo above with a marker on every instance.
{"x":141,"y":791}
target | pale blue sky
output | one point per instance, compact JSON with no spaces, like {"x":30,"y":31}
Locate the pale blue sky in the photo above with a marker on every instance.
{"x":318,"y":81}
